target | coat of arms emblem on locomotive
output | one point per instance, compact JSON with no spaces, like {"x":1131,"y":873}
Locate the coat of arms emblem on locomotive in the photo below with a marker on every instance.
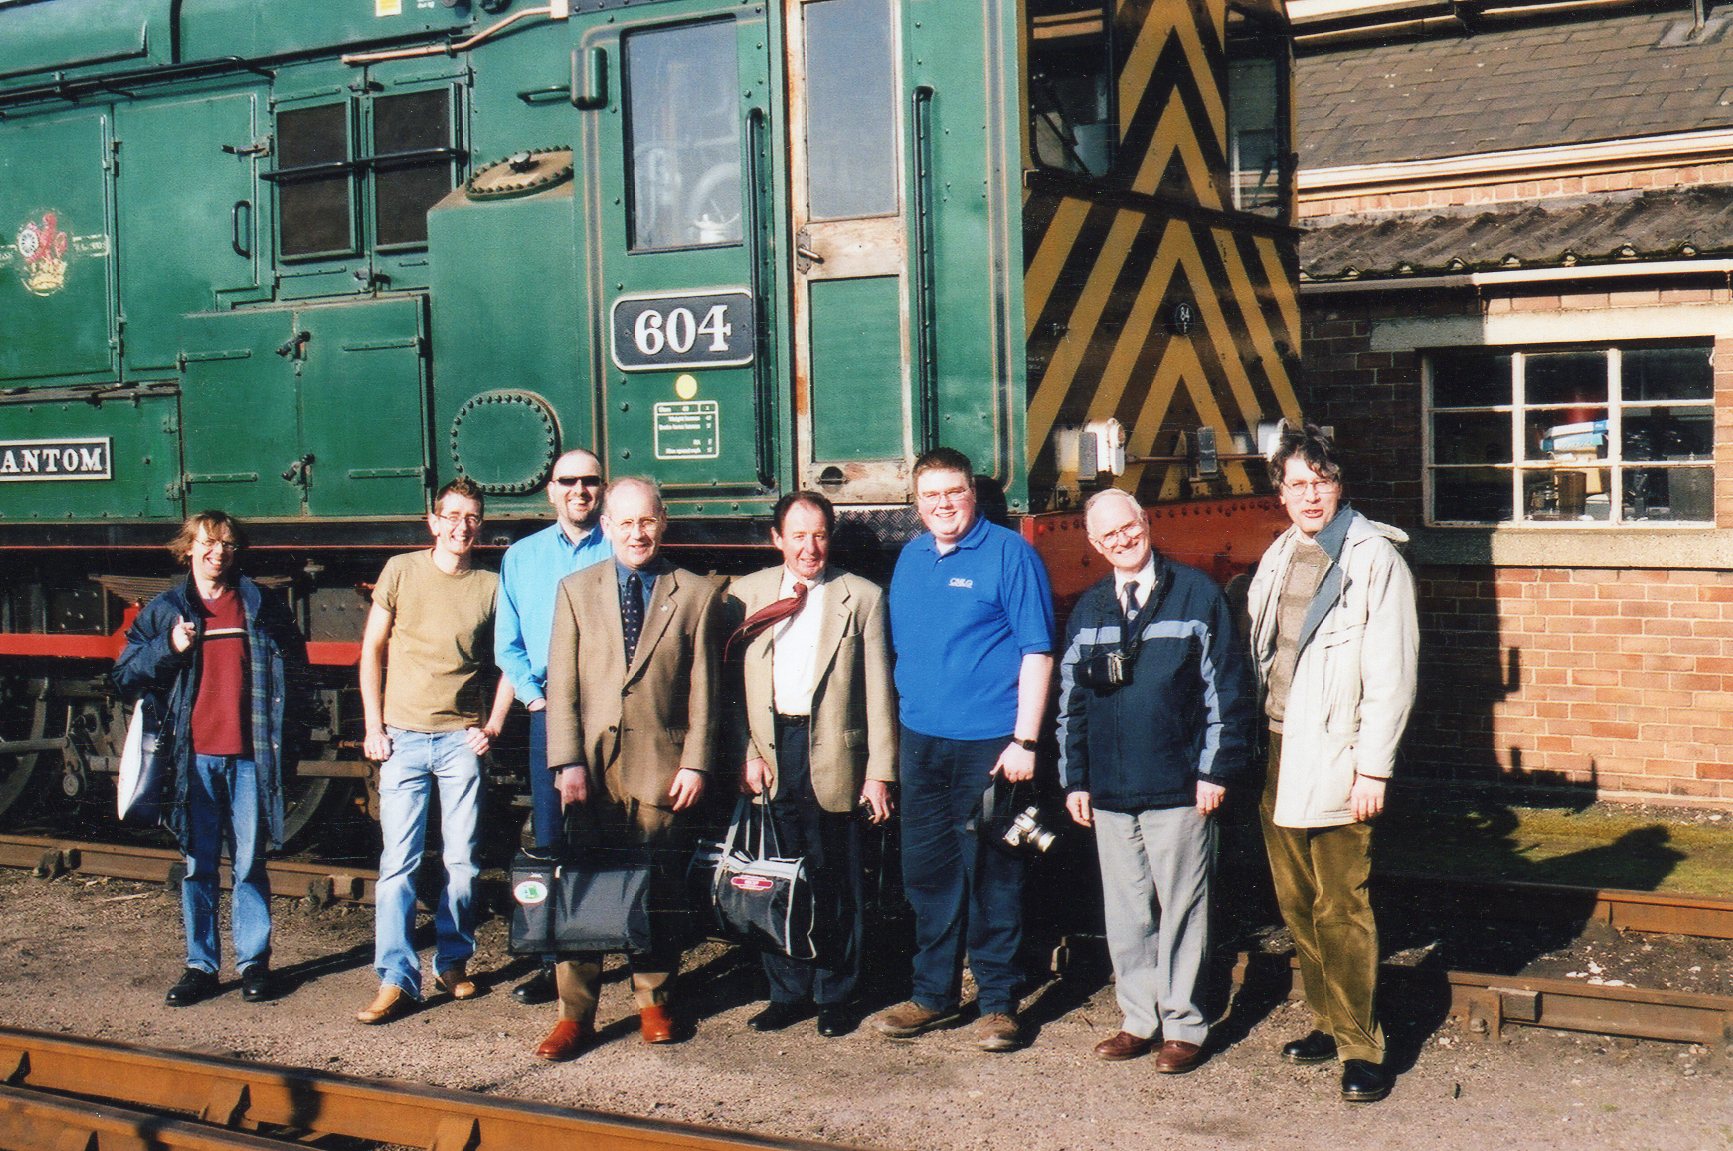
{"x":42,"y":245}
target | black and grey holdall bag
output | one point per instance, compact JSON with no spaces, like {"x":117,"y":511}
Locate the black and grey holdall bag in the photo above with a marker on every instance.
{"x":762,"y":897}
{"x":575,"y":899}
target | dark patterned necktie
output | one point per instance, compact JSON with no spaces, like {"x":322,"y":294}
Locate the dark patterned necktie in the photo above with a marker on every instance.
{"x":1130,"y":602}
{"x":632,"y":614}
{"x":765,"y":617}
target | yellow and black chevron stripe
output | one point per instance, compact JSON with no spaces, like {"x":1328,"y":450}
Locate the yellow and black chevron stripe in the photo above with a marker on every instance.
{"x":1106,"y":261}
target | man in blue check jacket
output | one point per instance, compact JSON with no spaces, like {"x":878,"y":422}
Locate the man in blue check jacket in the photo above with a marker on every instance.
{"x":1155,"y":722}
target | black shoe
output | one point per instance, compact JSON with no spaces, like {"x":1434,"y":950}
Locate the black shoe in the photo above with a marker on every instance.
{"x":193,"y":986}
{"x":779,"y":1015}
{"x":1314,"y":1048}
{"x":537,"y":989}
{"x":836,"y":1019}
{"x":1364,"y":1082}
{"x":256,"y":982}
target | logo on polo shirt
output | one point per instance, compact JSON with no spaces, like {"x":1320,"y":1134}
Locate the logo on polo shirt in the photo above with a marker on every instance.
{"x":959,"y":581}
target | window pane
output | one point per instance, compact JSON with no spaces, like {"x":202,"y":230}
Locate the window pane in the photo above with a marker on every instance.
{"x":314,"y":213}
{"x":683,"y":129}
{"x":851,"y":110}
{"x":1471,"y":438}
{"x":1566,"y":434}
{"x":1070,"y":88}
{"x":1668,"y":374}
{"x":1669,"y":433}
{"x":1470,"y":377}
{"x":1670,"y":494}
{"x":1567,"y":378}
{"x":1566,"y":494}
{"x":403,"y":192}
{"x":1478,"y":495}
{"x":1255,"y":134}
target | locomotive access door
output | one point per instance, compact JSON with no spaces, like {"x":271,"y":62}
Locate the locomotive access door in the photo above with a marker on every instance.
{"x":680,"y":278}
{"x":854,"y":411}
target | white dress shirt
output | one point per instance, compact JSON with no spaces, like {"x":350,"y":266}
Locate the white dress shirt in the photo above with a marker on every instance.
{"x":1144,"y":578}
{"x":794,"y":648}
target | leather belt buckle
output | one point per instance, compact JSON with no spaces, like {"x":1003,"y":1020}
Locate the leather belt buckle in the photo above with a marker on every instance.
{"x":793,"y":720}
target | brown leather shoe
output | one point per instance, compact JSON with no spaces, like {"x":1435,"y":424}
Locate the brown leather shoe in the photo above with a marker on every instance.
{"x":656,"y":1024}
{"x":455,"y":982}
{"x":1125,"y":1045}
{"x":566,"y":1040}
{"x":997,"y":1031}
{"x":392,"y":1002}
{"x":1176,"y":1057}
{"x":909,"y":1019}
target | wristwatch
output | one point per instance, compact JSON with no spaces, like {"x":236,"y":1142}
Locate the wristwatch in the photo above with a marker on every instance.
{"x":1026,"y":744}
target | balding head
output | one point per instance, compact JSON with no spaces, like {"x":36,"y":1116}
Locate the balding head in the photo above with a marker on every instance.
{"x":634,"y":518}
{"x":1118,"y":529}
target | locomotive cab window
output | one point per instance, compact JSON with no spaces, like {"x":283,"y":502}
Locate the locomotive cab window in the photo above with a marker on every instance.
{"x":1071,"y":109}
{"x":381,"y":161}
{"x":1258,"y":168}
{"x":683,"y":135}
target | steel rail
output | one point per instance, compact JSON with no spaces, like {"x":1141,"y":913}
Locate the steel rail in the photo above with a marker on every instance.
{"x":33,"y":1121}
{"x":1652,"y":911}
{"x":235,"y":1093}
{"x":319,"y":882}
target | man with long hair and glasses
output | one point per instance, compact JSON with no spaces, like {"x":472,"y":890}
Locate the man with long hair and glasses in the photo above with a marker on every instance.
{"x":529,"y":576}
{"x":1335,"y":643}
{"x":220,"y":659}
{"x":423,"y":656}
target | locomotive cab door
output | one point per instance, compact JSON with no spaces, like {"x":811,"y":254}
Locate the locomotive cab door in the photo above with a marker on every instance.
{"x":679,"y":211}
{"x":855,"y":415}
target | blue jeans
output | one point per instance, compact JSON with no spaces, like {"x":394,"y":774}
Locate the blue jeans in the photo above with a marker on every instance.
{"x":958,"y":886}
{"x":419,"y":761}
{"x":223,"y":808}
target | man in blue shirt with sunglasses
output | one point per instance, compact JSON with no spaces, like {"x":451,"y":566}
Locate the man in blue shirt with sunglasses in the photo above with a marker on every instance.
{"x":531,"y":571}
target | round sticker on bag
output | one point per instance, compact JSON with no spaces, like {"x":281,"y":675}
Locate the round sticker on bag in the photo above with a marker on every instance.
{"x":752,"y":883}
{"x":530,"y":891}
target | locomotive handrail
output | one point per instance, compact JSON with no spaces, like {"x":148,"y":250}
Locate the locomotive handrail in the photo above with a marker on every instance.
{"x":763,"y":385}
{"x":926,"y":352}
{"x":71,"y":89}
{"x":380,"y":160}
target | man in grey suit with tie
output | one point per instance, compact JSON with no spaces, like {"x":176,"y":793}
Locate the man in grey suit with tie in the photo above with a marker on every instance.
{"x":630,"y":689}
{"x":820,"y":737}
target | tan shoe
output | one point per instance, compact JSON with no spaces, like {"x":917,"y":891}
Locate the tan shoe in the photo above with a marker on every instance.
{"x":997,"y":1032}
{"x":909,"y":1019}
{"x":455,"y":982}
{"x":391,"y":1003}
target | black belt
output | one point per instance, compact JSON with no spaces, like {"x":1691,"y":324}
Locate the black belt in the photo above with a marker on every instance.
{"x":793,"y":720}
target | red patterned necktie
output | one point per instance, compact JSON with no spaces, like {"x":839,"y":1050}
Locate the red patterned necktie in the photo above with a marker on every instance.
{"x":765,"y":617}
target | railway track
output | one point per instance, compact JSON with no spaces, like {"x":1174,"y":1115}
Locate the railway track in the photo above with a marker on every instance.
{"x":1485,"y":1002}
{"x":62,"y":1092}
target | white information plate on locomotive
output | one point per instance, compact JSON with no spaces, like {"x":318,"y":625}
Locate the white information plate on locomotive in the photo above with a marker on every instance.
{"x":688,"y":430}
{"x":663,"y":331}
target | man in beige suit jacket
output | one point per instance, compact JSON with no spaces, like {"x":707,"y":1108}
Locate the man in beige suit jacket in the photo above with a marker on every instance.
{"x":630,"y":690}
{"x":820,"y":737}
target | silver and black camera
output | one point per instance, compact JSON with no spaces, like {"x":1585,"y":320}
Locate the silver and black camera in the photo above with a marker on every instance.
{"x":1027,"y":833}
{"x":1105,"y":670}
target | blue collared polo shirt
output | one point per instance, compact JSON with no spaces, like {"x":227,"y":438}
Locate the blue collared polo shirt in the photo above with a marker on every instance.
{"x":961,"y":624}
{"x":529,"y":576}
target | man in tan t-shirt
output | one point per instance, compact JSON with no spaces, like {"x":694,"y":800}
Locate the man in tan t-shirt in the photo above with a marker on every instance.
{"x":432,"y":624}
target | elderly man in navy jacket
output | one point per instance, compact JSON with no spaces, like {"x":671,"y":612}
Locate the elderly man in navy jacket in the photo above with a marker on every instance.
{"x":1155,"y":714}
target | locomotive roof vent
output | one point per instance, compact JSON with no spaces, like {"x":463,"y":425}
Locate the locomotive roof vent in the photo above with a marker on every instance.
{"x":521,"y":174}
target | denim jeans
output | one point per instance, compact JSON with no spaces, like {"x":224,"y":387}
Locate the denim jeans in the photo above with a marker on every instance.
{"x":959,"y":886}
{"x":420,"y":761}
{"x":223,"y":808}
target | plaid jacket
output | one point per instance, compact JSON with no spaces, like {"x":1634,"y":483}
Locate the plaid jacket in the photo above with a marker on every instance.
{"x":148,"y":664}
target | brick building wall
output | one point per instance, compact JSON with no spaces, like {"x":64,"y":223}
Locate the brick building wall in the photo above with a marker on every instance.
{"x":1619,"y":678}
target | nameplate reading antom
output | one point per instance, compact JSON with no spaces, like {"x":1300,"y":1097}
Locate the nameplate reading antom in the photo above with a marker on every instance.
{"x":79,"y":459}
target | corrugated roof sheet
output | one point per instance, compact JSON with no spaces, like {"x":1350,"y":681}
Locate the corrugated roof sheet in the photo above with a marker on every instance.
{"x":1534,"y":85}
{"x":1679,"y":224}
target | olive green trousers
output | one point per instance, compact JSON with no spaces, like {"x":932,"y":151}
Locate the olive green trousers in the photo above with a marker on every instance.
{"x":1320,"y":876}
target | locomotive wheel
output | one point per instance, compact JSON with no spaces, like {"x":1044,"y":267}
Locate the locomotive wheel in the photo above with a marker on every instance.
{"x":18,"y":772}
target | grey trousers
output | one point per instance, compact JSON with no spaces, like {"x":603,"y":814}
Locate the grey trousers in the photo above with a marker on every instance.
{"x":1156,"y":868}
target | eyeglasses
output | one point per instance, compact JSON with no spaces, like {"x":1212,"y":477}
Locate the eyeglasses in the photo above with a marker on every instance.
{"x":1119,"y":537}
{"x":459,"y":520}
{"x":220,"y":545}
{"x":647,"y":526}
{"x":1309,"y":487}
{"x":574,"y":481}
{"x":949,"y":495}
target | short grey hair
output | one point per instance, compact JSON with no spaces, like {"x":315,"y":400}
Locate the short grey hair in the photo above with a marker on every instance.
{"x":1107,"y":494}
{"x":624,"y":482}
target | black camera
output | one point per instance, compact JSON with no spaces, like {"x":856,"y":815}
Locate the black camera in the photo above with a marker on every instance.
{"x":1106,"y":671}
{"x":1027,"y":833}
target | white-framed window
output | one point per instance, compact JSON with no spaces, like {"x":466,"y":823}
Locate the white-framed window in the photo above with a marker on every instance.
{"x":1572,"y":435}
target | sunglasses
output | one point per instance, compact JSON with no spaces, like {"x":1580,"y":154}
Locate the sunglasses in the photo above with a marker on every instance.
{"x":574,"y":481}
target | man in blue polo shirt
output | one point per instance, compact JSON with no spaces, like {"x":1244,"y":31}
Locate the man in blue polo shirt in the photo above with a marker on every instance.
{"x":972,"y":625}
{"x":532,"y":570}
